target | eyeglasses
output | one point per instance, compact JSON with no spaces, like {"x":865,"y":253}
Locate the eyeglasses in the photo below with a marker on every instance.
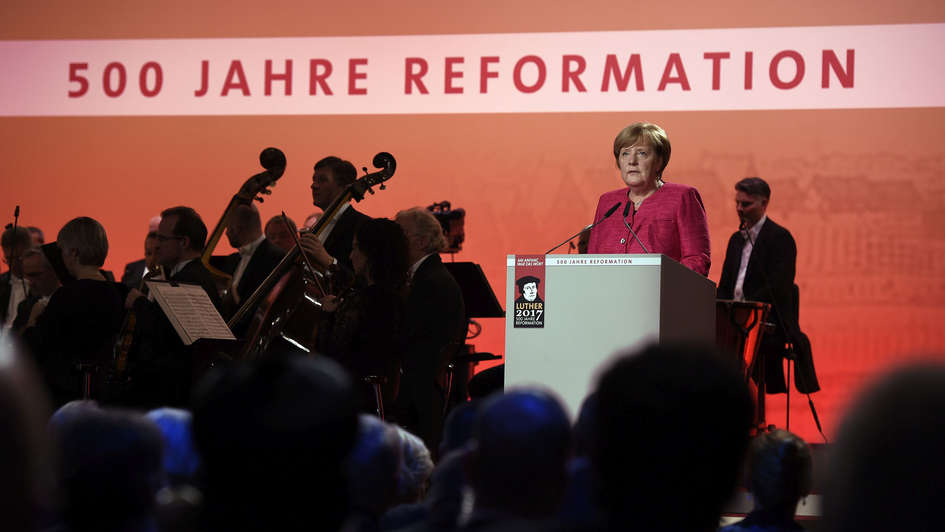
{"x":163,"y":238}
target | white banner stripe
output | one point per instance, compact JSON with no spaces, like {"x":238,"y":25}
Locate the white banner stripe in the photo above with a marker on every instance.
{"x":829,"y":67}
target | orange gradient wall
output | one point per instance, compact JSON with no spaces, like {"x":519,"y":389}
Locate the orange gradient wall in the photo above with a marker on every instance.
{"x":861,"y":189}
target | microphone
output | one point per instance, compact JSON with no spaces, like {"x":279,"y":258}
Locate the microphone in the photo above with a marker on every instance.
{"x":626,"y":211}
{"x":588,"y":227}
{"x":608,"y":213}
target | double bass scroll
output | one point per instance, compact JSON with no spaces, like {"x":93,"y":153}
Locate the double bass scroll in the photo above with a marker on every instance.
{"x":274,"y":162}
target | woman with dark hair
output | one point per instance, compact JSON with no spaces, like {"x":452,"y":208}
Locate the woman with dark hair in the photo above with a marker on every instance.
{"x":76,"y":330}
{"x":364,"y":328}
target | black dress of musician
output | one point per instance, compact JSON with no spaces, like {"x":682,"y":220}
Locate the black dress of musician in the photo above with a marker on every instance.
{"x":81,"y":321}
{"x":364,"y":330}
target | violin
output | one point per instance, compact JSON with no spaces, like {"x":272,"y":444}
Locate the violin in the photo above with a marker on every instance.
{"x":286,"y":302}
{"x":127,"y":335}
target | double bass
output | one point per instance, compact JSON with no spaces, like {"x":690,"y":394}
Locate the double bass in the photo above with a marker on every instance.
{"x":274,"y":162}
{"x":287,"y":301}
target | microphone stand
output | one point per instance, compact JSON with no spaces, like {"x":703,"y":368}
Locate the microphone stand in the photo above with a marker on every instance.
{"x":588,"y":227}
{"x":626,"y":211}
{"x":16,"y":251}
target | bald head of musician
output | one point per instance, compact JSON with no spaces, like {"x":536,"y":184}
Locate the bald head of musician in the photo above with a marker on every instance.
{"x":279,"y":231}
{"x":331,"y":176}
{"x":244,"y":226}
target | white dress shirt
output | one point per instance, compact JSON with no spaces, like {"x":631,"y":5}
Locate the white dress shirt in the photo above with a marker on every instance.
{"x":746,"y":256}
{"x":18,"y":292}
{"x":246,"y":254}
{"x":416,"y":266}
{"x":323,"y":236}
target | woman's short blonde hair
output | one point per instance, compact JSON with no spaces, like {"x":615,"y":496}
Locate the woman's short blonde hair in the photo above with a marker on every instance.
{"x":87,"y":236}
{"x":652,"y":134}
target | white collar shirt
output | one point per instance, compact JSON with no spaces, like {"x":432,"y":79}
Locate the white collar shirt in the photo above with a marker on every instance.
{"x":754,"y":230}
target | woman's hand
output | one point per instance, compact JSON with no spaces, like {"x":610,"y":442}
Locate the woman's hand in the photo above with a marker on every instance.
{"x":133,"y":296}
{"x":36,"y":311}
{"x":330,"y":303}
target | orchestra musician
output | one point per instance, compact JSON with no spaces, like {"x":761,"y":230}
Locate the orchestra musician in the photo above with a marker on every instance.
{"x":364,"y":329}
{"x":332,"y":246}
{"x":160,"y":366}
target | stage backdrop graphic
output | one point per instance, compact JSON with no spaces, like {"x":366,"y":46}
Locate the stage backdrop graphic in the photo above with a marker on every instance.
{"x":118,"y":110}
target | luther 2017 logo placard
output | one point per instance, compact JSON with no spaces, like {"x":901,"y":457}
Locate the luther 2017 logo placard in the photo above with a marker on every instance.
{"x":529,"y":280}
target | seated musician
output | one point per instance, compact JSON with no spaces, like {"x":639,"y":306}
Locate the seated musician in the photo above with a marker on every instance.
{"x":364,"y":328}
{"x":279,"y":231}
{"x":79,"y":324}
{"x":42,"y":281}
{"x":255,"y":260}
{"x":160,"y":366}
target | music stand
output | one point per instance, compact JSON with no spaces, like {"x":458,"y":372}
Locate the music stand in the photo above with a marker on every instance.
{"x":480,"y":299}
{"x":481,"y":302}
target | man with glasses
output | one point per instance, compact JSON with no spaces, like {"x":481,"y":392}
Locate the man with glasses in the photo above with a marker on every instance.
{"x":180,"y":240}
{"x":13,"y":287}
{"x":160,"y":365}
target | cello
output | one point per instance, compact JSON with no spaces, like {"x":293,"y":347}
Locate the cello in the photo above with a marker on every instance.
{"x":286,"y":302}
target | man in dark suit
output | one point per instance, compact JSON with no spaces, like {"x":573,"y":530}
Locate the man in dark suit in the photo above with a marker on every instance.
{"x":436,"y":327}
{"x":332,"y":246}
{"x":760,"y":264}
{"x":42,"y":283}
{"x":135,"y":271}
{"x":254,"y":261}
{"x":13,"y":287}
{"x":160,"y":364}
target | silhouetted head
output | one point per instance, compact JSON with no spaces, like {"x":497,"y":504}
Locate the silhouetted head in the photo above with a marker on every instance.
{"x":522,"y":445}
{"x":379,"y":252}
{"x":672,"y":428}
{"x":110,"y":468}
{"x":180,"y":458}
{"x":779,"y":471}
{"x":25,"y":456}
{"x":458,"y":426}
{"x":373,"y":465}
{"x":273,"y":437}
{"x":886,"y":464}
{"x":416,"y":466}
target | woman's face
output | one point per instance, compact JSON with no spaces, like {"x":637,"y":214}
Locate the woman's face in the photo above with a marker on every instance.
{"x":639,"y":165}
{"x":358,"y":259}
{"x":70,"y":259}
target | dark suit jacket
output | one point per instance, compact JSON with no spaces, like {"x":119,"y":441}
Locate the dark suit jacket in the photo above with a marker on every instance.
{"x":134,"y":271}
{"x":436,"y":326}
{"x":340,"y":240}
{"x":160,"y":364}
{"x":770,"y":278}
{"x":5,"y":292}
{"x":261,"y":264}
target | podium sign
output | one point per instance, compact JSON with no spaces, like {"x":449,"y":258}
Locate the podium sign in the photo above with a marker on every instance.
{"x":596,"y":307}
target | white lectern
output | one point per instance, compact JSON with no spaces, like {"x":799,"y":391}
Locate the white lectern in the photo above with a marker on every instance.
{"x":596,"y":306}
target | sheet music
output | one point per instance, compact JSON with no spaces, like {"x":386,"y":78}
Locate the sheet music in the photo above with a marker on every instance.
{"x":190,"y":311}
